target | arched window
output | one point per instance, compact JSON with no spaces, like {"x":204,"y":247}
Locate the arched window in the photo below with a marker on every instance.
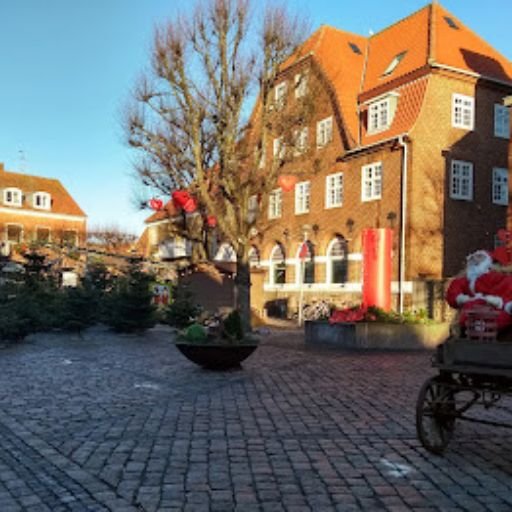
{"x":337,"y":261}
{"x":225,"y":253}
{"x":254,"y":256}
{"x":277,"y":269}
{"x":306,"y":263}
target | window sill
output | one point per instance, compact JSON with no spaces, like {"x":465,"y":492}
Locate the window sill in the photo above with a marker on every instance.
{"x":333,"y":206}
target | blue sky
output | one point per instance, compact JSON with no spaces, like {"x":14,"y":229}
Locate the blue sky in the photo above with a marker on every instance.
{"x":67,"y":67}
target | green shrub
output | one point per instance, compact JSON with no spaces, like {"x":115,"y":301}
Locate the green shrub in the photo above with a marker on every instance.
{"x":195,"y":333}
{"x":183,"y":311}
{"x":232,"y":326}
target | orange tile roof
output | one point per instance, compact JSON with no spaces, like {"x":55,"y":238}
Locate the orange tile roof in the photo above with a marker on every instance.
{"x":461,"y":48}
{"x":409,"y":103}
{"x":62,"y":202}
{"x":410,"y":35}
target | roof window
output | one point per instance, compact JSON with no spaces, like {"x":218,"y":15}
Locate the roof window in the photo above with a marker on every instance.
{"x":355,"y":48}
{"x":394,"y":63}
{"x":451,"y":23}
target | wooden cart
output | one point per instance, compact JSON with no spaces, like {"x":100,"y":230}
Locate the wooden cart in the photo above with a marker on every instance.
{"x":475,"y":371}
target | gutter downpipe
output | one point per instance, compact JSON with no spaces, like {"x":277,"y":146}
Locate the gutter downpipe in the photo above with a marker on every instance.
{"x":403,"y":198}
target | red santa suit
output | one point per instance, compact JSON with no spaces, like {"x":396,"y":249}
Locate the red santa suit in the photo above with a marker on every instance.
{"x":487,"y":287}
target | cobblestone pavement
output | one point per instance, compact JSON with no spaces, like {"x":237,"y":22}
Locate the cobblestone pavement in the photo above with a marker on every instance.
{"x":125,"y":423}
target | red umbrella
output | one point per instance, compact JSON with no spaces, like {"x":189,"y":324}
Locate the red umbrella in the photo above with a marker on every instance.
{"x":287,"y":182}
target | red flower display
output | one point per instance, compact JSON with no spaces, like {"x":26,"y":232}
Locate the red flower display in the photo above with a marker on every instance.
{"x":348,"y":315}
{"x":156,"y":204}
{"x":287,"y":182}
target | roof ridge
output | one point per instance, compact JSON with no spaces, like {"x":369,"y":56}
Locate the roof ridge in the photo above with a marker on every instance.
{"x":401,"y":20}
{"x":31,"y":176}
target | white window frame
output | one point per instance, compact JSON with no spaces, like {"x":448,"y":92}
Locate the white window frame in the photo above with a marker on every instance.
{"x":371,"y":182}
{"x":273,"y":263}
{"x":275,"y":204}
{"x":379,"y":115}
{"x":334,"y":190}
{"x":302,"y":197}
{"x":463,"y":111}
{"x":461,"y":180}
{"x":300,"y":139}
{"x":500,"y":186}
{"x":330,"y":259}
{"x":45,"y":200}
{"x":301,"y":85}
{"x":324,"y":132}
{"x":278,"y":148}
{"x":280,"y":95}
{"x":16,"y":196}
{"x":501,"y":121}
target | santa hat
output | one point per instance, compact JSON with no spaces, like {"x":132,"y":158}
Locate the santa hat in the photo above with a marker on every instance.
{"x":488,"y":255}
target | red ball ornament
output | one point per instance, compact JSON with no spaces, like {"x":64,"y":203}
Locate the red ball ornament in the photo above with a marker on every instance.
{"x":156,"y":204}
{"x":287,"y":182}
{"x":190,"y":206}
{"x":179,"y":198}
{"x":211,"y":221}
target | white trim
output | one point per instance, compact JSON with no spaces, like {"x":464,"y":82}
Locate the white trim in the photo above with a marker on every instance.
{"x":330,"y":180}
{"x":470,"y":73}
{"x":500,"y":182}
{"x":349,"y":287}
{"x":13,"y":190}
{"x":382,"y":96}
{"x":465,"y":105}
{"x":302,"y":197}
{"x":463,"y":165}
{"x":501,"y":121}
{"x":371,"y":174}
{"x":355,"y":256}
{"x":45,"y":198}
{"x":46,"y":215}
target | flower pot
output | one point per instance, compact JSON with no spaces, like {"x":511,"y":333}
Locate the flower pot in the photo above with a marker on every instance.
{"x":216,"y":356}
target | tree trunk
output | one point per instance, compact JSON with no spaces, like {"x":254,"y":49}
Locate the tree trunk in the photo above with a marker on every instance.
{"x":243,"y":289}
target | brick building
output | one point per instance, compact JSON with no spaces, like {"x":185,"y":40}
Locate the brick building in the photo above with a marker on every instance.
{"x":36,"y":209}
{"x":412,"y":135}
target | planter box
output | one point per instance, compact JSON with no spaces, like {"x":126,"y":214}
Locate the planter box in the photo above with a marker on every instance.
{"x":376,"y":335}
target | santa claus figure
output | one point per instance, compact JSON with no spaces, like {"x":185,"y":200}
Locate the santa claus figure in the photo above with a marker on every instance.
{"x":481,"y":285}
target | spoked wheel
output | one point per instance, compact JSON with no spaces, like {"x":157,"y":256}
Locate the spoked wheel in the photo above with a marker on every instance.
{"x":435,"y":415}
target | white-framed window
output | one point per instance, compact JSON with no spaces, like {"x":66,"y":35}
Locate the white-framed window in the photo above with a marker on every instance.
{"x":324,"y":132}
{"x":300,"y":138}
{"x":379,"y":115}
{"x":334,"y":190}
{"x":301,"y":85}
{"x":501,"y":121}
{"x":394,"y":63}
{"x":226,"y":252}
{"x":277,"y":270}
{"x":337,"y":261}
{"x":12,"y":196}
{"x":275,"y":203}
{"x":278,"y":148}
{"x":280,"y":95}
{"x":500,"y":186}
{"x":42,"y":200}
{"x":461,"y":180}
{"x":371,"y":181}
{"x":302,"y":191}
{"x":305,"y":266}
{"x":14,"y":233}
{"x":463,"y":111}
{"x":252,"y":208}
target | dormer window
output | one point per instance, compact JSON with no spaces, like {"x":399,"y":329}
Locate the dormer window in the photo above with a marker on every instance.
{"x":12,"y":196}
{"x":381,"y":113}
{"x":394,"y":63}
{"x":42,"y":200}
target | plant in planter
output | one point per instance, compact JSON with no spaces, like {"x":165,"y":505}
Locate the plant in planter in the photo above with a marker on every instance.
{"x":220,"y":344}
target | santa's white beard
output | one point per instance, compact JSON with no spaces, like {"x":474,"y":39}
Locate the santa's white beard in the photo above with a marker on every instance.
{"x":473,"y":272}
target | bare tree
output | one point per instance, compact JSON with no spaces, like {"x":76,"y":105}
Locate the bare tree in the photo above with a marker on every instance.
{"x":110,"y":238}
{"x":192,"y":117}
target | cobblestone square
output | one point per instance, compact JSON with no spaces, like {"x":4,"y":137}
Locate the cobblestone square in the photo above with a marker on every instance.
{"x":121,"y":423}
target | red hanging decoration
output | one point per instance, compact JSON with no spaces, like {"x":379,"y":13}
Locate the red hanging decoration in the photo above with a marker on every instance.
{"x":503,"y":255}
{"x":504,"y":235}
{"x":156,"y":204}
{"x":190,"y":206}
{"x":211,"y":221}
{"x":179,"y":198}
{"x":287,"y":182}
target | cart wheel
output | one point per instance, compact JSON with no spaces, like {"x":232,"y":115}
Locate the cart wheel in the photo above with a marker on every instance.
{"x":435,"y":415}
